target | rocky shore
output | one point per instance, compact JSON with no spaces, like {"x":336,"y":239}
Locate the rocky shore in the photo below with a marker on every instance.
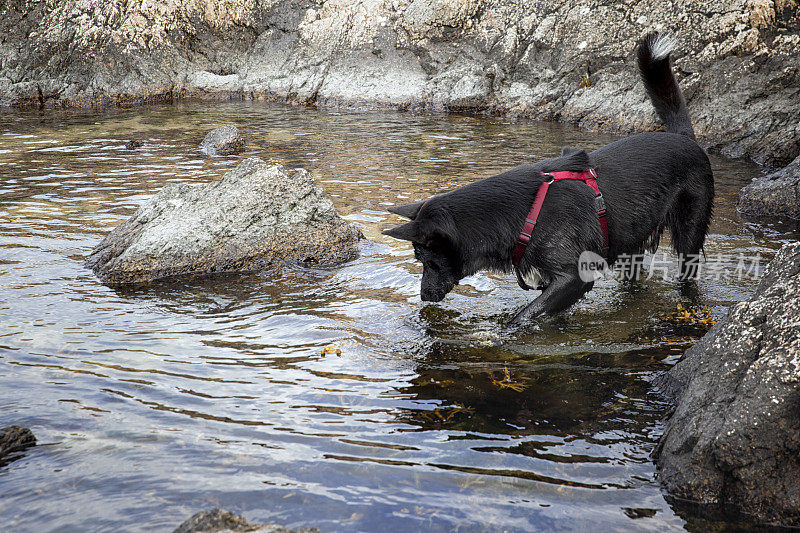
{"x":734,"y":438}
{"x":568,"y":61}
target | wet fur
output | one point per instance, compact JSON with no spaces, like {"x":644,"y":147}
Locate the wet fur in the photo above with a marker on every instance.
{"x":650,"y":182}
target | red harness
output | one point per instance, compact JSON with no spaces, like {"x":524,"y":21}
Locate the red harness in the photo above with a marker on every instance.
{"x":589,"y":177}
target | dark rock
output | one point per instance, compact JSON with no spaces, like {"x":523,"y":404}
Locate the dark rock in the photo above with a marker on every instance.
{"x":257,"y":216}
{"x":133,"y":144}
{"x":218,"y":521}
{"x":734,"y":438}
{"x":775,"y":195}
{"x":570,"y":61}
{"x":14,"y":439}
{"x":225,"y":140}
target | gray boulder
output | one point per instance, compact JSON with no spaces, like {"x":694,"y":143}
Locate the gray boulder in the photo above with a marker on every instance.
{"x":775,"y":195}
{"x":225,"y":140}
{"x":734,"y":438}
{"x":218,"y":521}
{"x":257,"y":216}
{"x":14,"y":439}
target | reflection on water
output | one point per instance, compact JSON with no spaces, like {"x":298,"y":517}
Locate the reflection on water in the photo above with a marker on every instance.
{"x":153,"y":403}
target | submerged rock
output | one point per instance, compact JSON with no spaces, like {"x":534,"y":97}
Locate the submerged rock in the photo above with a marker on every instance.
{"x":257,"y":216}
{"x":216,"y":520}
{"x":225,"y":140}
{"x":570,"y":61}
{"x":775,"y":195}
{"x":734,"y":438}
{"x":15,"y":439}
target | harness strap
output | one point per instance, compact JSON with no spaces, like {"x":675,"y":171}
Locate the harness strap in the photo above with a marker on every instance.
{"x":589,"y":177}
{"x":530,"y":222}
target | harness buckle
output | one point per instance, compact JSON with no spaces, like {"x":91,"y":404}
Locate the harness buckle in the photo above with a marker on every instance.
{"x":599,"y":203}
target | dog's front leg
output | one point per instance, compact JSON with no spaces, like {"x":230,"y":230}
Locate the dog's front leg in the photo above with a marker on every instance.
{"x":561,"y":293}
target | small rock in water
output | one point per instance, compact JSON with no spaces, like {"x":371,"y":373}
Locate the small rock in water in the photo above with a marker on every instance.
{"x":256,"y":217}
{"x":15,"y":439}
{"x":133,"y":144}
{"x":225,"y":140}
{"x":217,"y":520}
{"x":775,"y":195}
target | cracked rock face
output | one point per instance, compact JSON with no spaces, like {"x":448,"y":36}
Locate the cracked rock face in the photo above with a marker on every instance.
{"x":775,"y":195}
{"x":734,"y":438}
{"x":256,"y":217}
{"x":570,"y":60}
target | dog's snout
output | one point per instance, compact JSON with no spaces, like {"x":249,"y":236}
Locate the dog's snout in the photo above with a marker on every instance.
{"x":432,"y":296}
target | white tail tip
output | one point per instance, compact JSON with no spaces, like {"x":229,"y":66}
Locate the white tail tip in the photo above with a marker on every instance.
{"x":662,"y":45}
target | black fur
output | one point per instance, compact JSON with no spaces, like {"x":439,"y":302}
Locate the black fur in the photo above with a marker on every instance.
{"x":649,"y":181}
{"x":662,"y":87}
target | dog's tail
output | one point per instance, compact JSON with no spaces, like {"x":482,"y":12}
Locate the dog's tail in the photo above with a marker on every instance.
{"x":659,"y":80}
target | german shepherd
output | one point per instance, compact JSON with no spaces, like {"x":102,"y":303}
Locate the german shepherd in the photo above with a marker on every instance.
{"x":649,"y":181}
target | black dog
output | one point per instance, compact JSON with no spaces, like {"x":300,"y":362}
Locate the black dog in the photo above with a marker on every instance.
{"x":649,"y":181}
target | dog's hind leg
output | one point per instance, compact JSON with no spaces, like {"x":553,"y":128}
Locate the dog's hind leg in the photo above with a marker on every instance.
{"x":561,"y":293}
{"x":689,"y":222}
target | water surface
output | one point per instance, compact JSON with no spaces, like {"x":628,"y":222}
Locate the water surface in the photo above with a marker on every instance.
{"x":153,"y":403}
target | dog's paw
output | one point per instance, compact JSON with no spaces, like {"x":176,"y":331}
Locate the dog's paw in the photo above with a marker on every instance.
{"x":515,"y":326}
{"x":522,"y":322}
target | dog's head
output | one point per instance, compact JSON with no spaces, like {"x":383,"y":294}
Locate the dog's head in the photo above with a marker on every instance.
{"x":442,"y":267}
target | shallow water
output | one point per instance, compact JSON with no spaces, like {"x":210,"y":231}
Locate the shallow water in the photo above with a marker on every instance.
{"x":152,"y":404}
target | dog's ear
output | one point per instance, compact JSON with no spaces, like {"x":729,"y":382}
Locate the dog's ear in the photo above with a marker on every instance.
{"x":575,"y":159}
{"x":569,"y":150}
{"x":409,"y":211}
{"x":410,"y":231}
